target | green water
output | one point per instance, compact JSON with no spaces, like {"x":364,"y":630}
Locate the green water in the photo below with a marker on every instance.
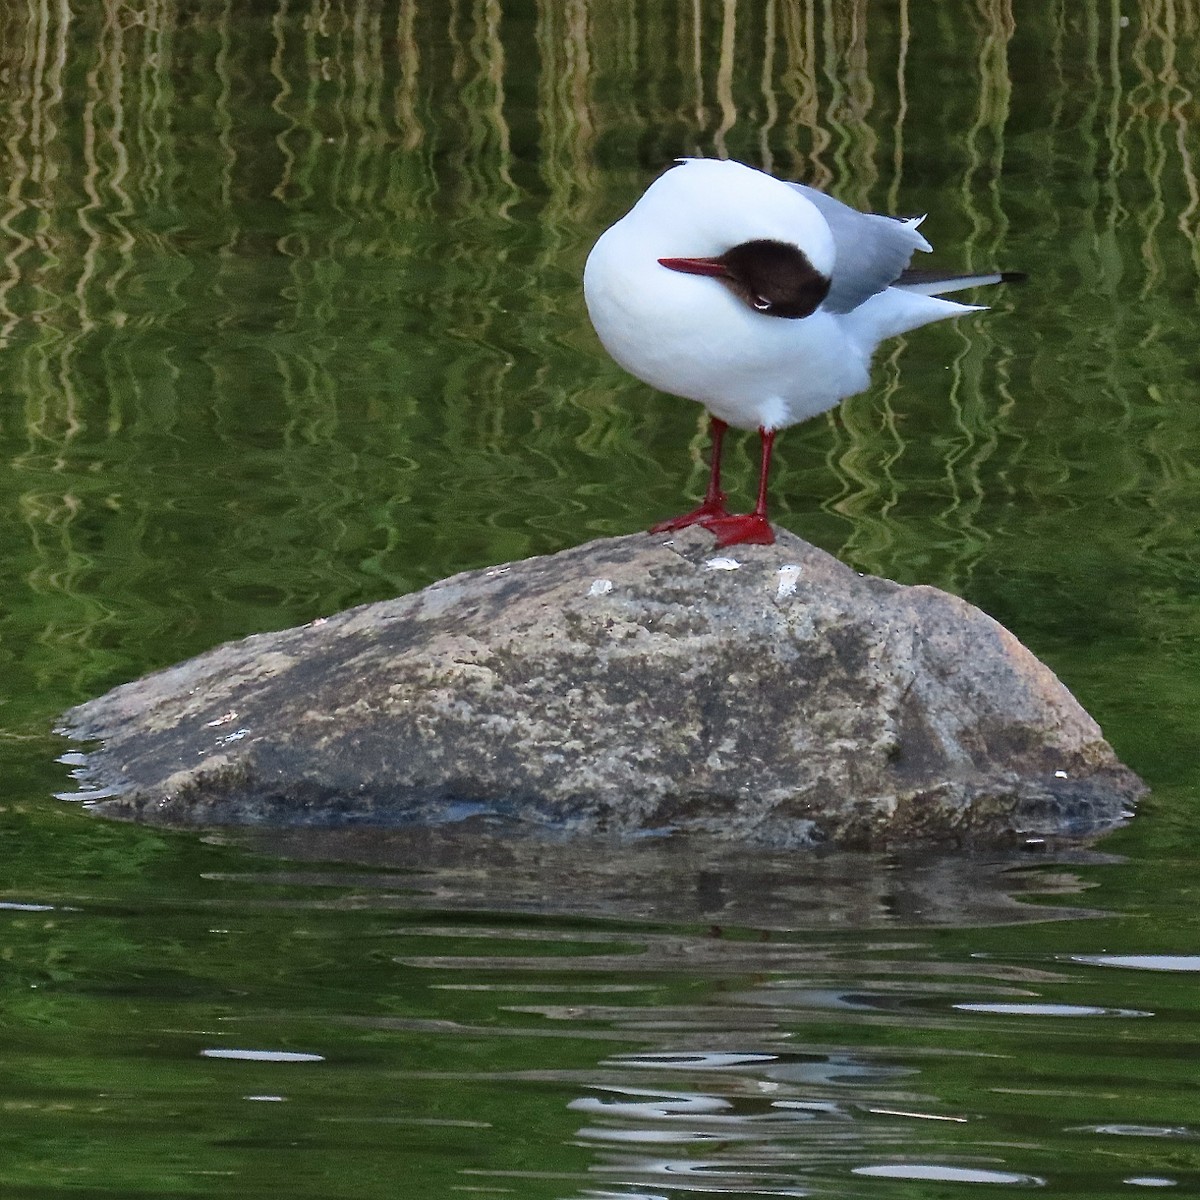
{"x":290,"y":319}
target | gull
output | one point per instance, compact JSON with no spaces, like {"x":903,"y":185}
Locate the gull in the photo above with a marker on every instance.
{"x":760,"y":299}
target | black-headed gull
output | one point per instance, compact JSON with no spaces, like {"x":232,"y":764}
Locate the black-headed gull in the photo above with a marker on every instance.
{"x":762,"y":300}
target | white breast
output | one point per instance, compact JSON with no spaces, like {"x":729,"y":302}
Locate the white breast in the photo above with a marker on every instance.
{"x":690,"y":336}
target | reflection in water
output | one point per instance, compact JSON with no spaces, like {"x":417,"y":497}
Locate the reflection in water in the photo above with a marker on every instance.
{"x":275,"y":1056}
{"x":465,"y":866}
{"x":569,"y":1022}
{"x":1048,"y":1010}
{"x":941,"y":1174}
{"x":666,"y":1000}
{"x":784,"y":1122}
{"x":290,"y":319}
{"x":1143,"y":962}
{"x":1152,"y":1131}
{"x":297,"y":298}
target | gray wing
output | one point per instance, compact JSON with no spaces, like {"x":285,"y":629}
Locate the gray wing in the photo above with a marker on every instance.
{"x":872,"y":251}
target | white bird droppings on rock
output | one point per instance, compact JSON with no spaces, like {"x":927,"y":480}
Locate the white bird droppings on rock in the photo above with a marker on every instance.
{"x":788,"y":574}
{"x":600,"y":587}
{"x":722,"y":564}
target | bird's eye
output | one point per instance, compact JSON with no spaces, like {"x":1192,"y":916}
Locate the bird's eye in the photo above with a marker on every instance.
{"x":760,"y":302}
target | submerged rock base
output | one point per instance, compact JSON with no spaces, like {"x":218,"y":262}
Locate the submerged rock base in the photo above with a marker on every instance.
{"x":631,"y":685}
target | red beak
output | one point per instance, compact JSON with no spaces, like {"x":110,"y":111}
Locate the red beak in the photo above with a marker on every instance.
{"x":695,"y":266}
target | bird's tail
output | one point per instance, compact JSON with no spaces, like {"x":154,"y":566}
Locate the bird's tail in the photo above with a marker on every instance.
{"x":937,"y":283}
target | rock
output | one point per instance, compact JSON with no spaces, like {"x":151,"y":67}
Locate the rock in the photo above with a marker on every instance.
{"x":631,"y":685}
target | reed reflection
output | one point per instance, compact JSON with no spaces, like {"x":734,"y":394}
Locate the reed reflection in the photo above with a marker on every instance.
{"x":315,"y":269}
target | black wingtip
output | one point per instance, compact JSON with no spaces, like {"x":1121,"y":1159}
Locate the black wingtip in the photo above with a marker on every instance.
{"x":1013,"y":276}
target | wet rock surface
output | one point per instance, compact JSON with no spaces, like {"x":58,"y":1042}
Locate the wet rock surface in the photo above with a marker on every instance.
{"x":634,"y":685}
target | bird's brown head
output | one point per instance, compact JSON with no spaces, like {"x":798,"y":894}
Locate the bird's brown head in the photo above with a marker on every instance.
{"x":774,"y":278}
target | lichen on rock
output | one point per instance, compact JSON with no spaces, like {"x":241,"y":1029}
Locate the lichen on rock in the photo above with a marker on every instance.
{"x":633,"y":685}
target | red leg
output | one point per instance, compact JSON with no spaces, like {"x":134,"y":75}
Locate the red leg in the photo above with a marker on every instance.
{"x":752,"y":528}
{"x":714,"y":498}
